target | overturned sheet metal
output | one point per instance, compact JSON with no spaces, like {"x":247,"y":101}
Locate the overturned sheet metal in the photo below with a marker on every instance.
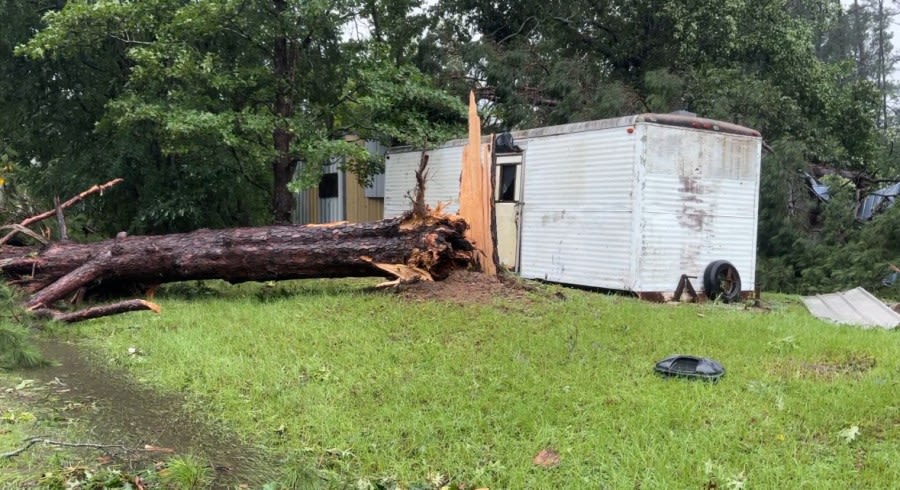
{"x":854,"y":307}
{"x":877,"y":201}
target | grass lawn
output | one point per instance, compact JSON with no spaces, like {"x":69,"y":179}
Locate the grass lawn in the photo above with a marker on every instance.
{"x":372,"y":388}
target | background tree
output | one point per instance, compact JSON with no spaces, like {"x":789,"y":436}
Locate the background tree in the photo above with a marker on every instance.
{"x":219,"y":101}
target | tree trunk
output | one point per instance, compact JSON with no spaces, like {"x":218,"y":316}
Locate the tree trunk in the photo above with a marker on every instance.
{"x":433,"y":245}
{"x":284,"y":62}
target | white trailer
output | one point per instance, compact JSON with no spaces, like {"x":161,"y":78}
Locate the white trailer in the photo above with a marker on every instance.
{"x":652,"y":203}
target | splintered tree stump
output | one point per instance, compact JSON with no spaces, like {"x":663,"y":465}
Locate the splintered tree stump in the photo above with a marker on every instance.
{"x":433,"y":245}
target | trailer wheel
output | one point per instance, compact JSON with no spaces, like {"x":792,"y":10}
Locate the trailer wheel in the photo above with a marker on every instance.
{"x":722,"y":281}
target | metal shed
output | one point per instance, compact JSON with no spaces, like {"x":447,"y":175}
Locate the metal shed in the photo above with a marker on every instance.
{"x":632,"y":203}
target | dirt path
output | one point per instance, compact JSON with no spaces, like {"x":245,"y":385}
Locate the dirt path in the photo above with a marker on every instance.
{"x":116,"y":410}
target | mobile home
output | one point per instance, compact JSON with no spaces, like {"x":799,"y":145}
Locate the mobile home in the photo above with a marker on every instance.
{"x":340,"y":197}
{"x":654,"y":204}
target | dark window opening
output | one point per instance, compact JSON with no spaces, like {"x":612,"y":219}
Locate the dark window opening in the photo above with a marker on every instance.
{"x":328,"y":186}
{"x":507,"y":183}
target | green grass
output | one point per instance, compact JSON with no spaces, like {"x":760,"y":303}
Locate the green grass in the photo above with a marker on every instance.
{"x":358,"y":385}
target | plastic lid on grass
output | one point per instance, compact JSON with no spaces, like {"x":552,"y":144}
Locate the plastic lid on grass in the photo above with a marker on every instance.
{"x":685,"y":366}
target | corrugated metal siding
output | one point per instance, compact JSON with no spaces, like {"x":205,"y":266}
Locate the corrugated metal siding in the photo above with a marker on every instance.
{"x":854,"y":307}
{"x":359,"y":207}
{"x":307,"y":203}
{"x":442,"y":186}
{"x":698,"y":205}
{"x":577,"y":212}
{"x":332,"y":208}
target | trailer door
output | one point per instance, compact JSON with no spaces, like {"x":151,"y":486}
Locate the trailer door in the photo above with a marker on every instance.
{"x":508,"y":207}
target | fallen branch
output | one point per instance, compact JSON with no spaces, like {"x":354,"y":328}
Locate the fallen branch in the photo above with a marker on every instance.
{"x":31,"y":441}
{"x":97,"y":311}
{"x":58,"y":209}
{"x":21,"y":229}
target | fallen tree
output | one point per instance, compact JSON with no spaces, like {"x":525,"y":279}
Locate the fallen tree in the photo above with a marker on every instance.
{"x":423,"y":245}
{"x":243,"y":254}
{"x":407,"y":249}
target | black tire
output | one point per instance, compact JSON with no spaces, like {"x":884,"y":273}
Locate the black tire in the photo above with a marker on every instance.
{"x":722,"y":281}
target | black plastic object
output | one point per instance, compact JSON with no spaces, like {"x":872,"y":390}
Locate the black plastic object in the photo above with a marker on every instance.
{"x":691,"y":367}
{"x":722,"y":281}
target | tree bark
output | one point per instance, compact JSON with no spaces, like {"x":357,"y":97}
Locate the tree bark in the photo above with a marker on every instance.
{"x":432,"y":244}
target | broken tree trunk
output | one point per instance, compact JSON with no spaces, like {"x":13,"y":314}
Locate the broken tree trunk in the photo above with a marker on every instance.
{"x":476,"y":194}
{"x":433,"y":244}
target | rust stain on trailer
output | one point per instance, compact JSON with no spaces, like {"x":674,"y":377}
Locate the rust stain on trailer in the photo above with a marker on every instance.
{"x":693,"y":213}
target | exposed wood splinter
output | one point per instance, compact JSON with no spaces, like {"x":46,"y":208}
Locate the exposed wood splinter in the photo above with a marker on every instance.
{"x":405,"y":274}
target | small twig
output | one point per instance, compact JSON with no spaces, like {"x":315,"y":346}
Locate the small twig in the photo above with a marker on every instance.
{"x":130,"y":41}
{"x":31,"y":441}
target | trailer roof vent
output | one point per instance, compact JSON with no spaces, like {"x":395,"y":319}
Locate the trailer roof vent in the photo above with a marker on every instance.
{"x":682,"y":112}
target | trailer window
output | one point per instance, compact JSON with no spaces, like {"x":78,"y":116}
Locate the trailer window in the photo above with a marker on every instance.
{"x":506,"y":190}
{"x":328,"y":186}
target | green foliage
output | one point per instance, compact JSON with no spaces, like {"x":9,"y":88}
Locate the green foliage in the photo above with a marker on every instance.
{"x":16,"y":348}
{"x":398,"y":104}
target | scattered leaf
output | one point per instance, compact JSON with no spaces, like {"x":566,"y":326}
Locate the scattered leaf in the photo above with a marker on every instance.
{"x":157,"y":449}
{"x":105,"y":459}
{"x":547,"y":458}
{"x":738,"y":482}
{"x":24,"y":384}
{"x":849,"y":434}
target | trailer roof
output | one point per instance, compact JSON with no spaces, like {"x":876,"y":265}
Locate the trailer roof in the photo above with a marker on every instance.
{"x":683,"y":120}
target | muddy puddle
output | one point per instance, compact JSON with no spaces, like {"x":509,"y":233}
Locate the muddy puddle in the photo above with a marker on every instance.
{"x":116,"y":410}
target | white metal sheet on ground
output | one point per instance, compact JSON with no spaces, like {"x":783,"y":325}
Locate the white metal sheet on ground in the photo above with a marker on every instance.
{"x":854,"y":307}
{"x":442,"y":186}
{"x":577,"y":211}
